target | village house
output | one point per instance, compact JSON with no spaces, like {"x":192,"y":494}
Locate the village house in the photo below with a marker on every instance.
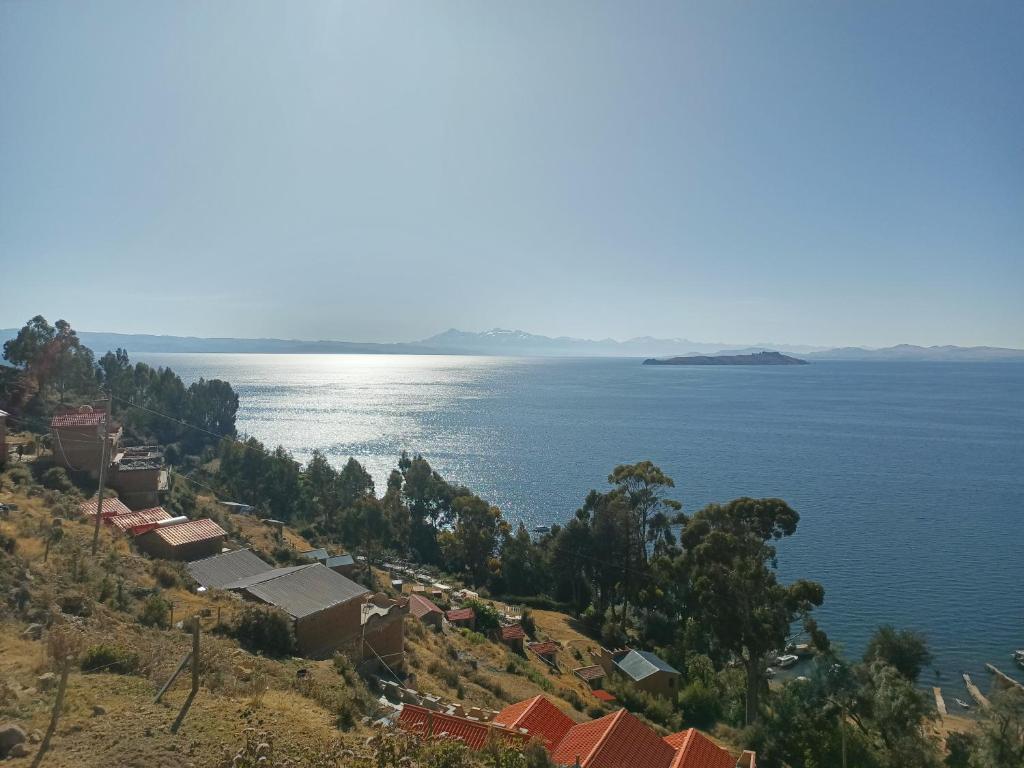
{"x":592,"y":675}
{"x":475,"y":734}
{"x":462,"y":617}
{"x":512,"y":635}
{"x":138,"y":475}
{"x":539,"y":717}
{"x":112,"y":507}
{"x":78,"y":438}
{"x":138,"y":522}
{"x":325,"y":607}
{"x":547,"y":650}
{"x":645,"y":670}
{"x":343,"y":564}
{"x":188,"y":540}
{"x":228,"y":567}
{"x":426,"y":611}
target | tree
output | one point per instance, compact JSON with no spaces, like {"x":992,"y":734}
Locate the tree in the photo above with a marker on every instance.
{"x":642,"y":485}
{"x":733,"y":589}
{"x":1001,"y":738}
{"x":26,"y":349}
{"x":905,"y":650}
{"x":477,"y":525}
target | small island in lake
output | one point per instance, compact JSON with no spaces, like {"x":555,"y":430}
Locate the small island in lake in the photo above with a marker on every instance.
{"x":758,"y":358}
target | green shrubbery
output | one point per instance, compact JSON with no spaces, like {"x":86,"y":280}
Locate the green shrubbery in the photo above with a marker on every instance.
{"x":264,"y":630}
{"x":109,"y":658}
{"x":156,"y":612}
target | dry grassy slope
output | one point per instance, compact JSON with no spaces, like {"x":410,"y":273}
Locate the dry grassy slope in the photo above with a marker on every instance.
{"x":238,"y":689}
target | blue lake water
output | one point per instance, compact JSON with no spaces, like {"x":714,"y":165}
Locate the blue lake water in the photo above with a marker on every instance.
{"x":909,"y":477}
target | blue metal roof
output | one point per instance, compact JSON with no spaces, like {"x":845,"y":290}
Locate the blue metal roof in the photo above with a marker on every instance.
{"x":640,"y":664}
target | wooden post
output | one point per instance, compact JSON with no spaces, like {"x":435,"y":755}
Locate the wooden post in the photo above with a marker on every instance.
{"x":103,"y":478}
{"x":55,"y":716}
{"x":195,"y":676}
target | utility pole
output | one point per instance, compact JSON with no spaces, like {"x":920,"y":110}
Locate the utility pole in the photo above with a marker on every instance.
{"x":104,"y":433}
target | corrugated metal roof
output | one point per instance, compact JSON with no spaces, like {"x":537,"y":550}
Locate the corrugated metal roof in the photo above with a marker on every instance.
{"x":641,"y":664}
{"x":339,"y":561}
{"x":214,"y":572}
{"x":301,"y":590}
{"x":143,"y":516}
{"x":314,"y":554}
{"x":190,"y":532}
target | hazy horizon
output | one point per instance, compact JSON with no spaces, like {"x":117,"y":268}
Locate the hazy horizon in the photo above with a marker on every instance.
{"x":817,"y":174}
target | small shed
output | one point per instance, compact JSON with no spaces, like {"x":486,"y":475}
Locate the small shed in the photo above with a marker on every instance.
{"x":547,"y":650}
{"x":343,"y":564}
{"x":592,"y":675}
{"x":462,"y":617}
{"x":318,"y":555}
{"x":214,"y":572}
{"x":426,"y":611}
{"x":190,"y":540}
{"x":649,"y":673}
{"x":512,"y":635}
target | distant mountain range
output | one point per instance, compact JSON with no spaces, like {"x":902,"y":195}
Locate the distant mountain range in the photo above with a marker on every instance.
{"x":500,"y":341}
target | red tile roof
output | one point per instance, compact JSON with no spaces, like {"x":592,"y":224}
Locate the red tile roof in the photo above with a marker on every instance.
{"x":143,"y":516}
{"x":78,"y":419}
{"x":603,"y":695}
{"x":695,"y":750}
{"x":190,"y":532}
{"x":111,"y":507}
{"x":593,"y":672}
{"x":461,"y":614}
{"x":511,"y":632}
{"x":618,"y":740}
{"x":544,"y":649}
{"x":473,"y":732}
{"x":539,"y":717}
{"x":420,"y":606}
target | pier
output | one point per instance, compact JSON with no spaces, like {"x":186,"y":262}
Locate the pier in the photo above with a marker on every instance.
{"x":975,"y":692}
{"x":940,"y":703}
{"x":1004,"y":680}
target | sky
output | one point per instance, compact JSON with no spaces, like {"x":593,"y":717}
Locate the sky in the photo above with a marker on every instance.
{"x":823,"y":173}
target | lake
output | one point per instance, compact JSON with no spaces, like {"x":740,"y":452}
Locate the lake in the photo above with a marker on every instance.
{"x":909,"y":477}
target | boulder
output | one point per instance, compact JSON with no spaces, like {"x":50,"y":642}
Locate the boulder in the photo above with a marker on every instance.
{"x":18,"y":750}
{"x":98,"y":710}
{"x":11,"y":735}
{"x":46,"y":681}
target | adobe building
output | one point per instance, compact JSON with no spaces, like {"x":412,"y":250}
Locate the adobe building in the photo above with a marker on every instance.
{"x":426,"y":611}
{"x":644,"y":669}
{"x":325,"y":607}
{"x":187,"y":540}
{"x":78,"y":438}
{"x":137,"y":474}
{"x":383,"y":631}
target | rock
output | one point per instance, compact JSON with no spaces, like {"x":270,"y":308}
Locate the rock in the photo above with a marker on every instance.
{"x":11,"y":735}
{"x":33,"y":632}
{"x":98,"y":710}
{"x":18,"y":750}
{"x":46,"y":681}
{"x":35,"y":737}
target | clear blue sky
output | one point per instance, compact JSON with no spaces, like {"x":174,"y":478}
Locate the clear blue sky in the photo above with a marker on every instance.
{"x":812,"y":172}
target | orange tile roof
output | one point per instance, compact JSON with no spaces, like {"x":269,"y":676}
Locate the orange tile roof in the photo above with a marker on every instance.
{"x":473,"y":732}
{"x":603,"y":695}
{"x":619,"y":740}
{"x":695,"y":750}
{"x":539,"y":717}
{"x":111,"y":507}
{"x":78,"y":419}
{"x":512,"y":632}
{"x":143,"y":516}
{"x":190,"y":532}
{"x":420,"y":606}
{"x":461,"y":614}
{"x":545,"y":648}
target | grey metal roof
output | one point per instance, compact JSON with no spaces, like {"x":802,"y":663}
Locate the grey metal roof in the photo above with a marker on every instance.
{"x":338,"y":560}
{"x":315,"y":554}
{"x":303,"y":590}
{"x":214,"y":572}
{"x":641,"y":664}
{"x":256,"y":578}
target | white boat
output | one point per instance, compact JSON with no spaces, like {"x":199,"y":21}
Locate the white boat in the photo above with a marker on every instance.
{"x":962,"y":703}
{"x":787,"y":660}
{"x":542,"y":529}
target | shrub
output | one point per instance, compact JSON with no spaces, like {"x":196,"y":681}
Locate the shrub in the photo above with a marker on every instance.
{"x":56,"y":479}
{"x":109,"y":658}
{"x":487,"y":616}
{"x":165,"y":574}
{"x":700,"y":705}
{"x":449,"y":675}
{"x":572,"y":697}
{"x":20,"y":475}
{"x":156,"y":612}
{"x":264,"y":630}
{"x":527,"y":622}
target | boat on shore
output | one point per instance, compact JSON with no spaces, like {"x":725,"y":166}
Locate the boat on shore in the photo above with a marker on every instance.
{"x":542,"y":529}
{"x":1018,"y":656}
{"x":786,"y":660}
{"x":963,"y":704}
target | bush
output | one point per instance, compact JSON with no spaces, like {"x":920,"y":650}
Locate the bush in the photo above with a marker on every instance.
{"x":20,"y":475}
{"x":700,"y":705}
{"x":264,"y":630}
{"x":487,"y":616}
{"x":165,"y":574}
{"x":56,"y":479}
{"x":527,"y":622}
{"x":156,"y":612}
{"x":109,"y":658}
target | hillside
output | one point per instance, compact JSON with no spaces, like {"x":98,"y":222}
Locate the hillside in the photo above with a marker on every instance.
{"x":757,"y":358}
